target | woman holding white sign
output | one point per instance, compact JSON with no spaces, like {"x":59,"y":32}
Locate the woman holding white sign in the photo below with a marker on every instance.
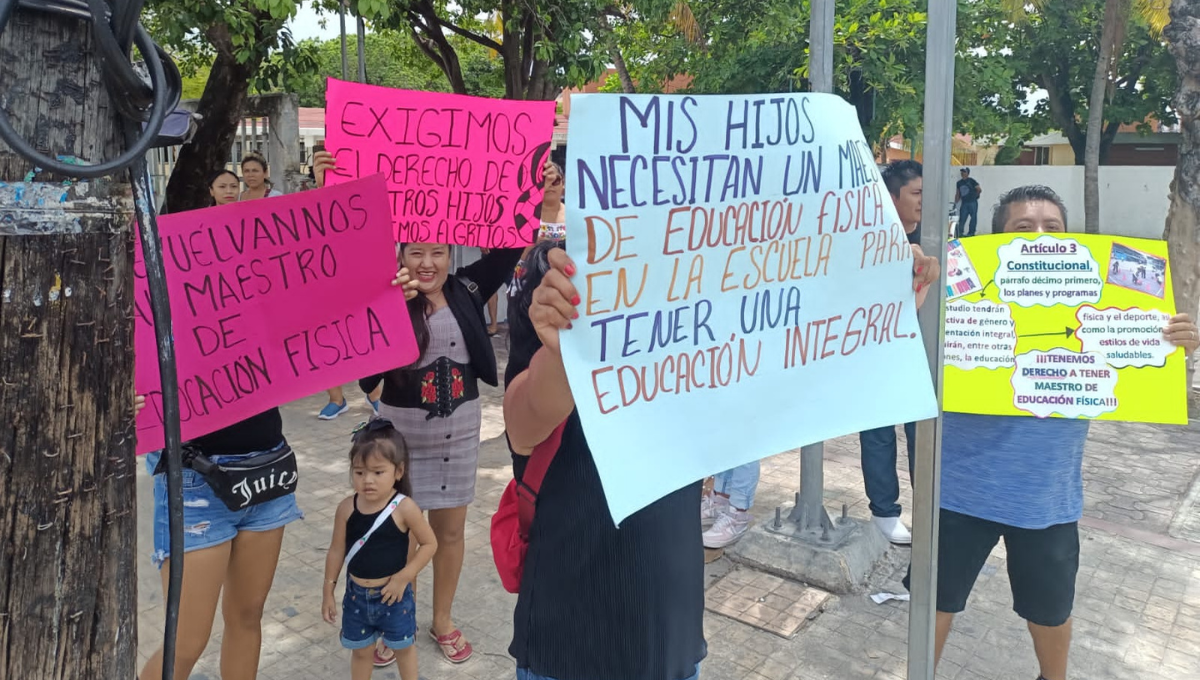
{"x":601,"y":602}
{"x":435,"y":402}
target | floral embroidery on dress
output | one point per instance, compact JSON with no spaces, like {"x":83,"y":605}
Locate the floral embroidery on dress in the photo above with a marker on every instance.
{"x":429,"y":388}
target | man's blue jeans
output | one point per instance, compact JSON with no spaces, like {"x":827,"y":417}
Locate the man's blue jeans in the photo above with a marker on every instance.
{"x":526,"y":674}
{"x":740,"y":484}
{"x":879,"y":467}
{"x":968,"y":209}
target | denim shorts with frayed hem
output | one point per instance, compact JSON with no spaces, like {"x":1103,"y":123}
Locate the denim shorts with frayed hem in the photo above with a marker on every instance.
{"x":206,"y":520}
{"x":365,"y":618}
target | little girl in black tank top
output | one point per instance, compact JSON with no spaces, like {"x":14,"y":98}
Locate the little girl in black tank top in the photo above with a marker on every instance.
{"x":371,"y":535}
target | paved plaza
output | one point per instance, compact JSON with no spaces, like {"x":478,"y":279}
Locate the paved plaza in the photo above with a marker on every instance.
{"x":1137,"y":610}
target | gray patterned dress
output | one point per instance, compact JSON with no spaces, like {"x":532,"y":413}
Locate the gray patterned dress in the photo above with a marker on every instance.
{"x":443,"y":447}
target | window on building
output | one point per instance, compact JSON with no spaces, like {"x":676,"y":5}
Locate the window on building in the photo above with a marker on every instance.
{"x":1041,"y":155}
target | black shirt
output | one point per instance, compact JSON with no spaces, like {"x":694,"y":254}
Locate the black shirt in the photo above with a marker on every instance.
{"x":967,"y":189}
{"x":262,"y":432}
{"x":598,"y":602}
{"x":385,"y":553}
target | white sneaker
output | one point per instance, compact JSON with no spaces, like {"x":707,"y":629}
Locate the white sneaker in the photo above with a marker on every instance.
{"x":728,"y":528}
{"x":893,"y":530}
{"x":712,"y":506}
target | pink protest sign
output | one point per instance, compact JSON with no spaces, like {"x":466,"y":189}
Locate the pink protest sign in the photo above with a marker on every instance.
{"x":462,"y":170}
{"x":272,"y":300}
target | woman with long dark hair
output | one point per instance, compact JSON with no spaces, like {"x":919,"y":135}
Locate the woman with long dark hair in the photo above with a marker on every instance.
{"x":435,"y":402}
{"x":229,"y":555}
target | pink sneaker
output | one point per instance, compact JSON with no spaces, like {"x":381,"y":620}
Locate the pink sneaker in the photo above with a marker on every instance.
{"x":728,"y":528}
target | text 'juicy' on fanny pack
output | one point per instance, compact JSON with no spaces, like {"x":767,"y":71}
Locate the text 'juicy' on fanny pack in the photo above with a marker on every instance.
{"x":246,"y":482}
{"x":514,"y":517}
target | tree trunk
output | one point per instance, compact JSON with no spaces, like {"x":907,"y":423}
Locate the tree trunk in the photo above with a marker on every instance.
{"x":1116,"y":13}
{"x":1183,"y":221}
{"x":221,"y":107}
{"x":68,"y":589}
{"x":614,"y":52}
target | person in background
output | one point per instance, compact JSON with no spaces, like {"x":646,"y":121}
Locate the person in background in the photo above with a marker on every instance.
{"x":338,"y":405}
{"x":966,"y":197}
{"x":229,"y":556}
{"x":493,"y":307}
{"x":257,"y":177}
{"x":1020,"y":478}
{"x":223,"y":187}
{"x":435,"y":403}
{"x":878,"y":446}
{"x":727,"y":508}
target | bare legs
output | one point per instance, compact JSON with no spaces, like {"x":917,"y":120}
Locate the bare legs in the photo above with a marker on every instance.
{"x":336,"y":395}
{"x":448,"y":526}
{"x":204,"y":574}
{"x":493,"y":306}
{"x":245,"y":568}
{"x":1051,"y":645}
{"x":251,"y":572}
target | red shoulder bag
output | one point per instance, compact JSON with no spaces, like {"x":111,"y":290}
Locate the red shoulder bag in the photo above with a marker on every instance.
{"x":510,"y":524}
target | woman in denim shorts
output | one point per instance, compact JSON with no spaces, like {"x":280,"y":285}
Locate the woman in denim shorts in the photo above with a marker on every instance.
{"x":225,"y":550}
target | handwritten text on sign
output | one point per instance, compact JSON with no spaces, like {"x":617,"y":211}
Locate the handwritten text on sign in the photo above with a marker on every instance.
{"x":272,"y":300}
{"x":746,"y":285}
{"x":461,"y":170}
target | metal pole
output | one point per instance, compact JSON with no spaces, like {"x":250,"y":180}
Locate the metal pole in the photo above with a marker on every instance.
{"x":939,"y":117}
{"x":362,"y":54}
{"x":811,"y":504}
{"x":342,"y":19}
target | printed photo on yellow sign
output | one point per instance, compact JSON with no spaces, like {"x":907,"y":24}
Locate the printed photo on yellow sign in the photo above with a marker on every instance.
{"x":1061,"y":325}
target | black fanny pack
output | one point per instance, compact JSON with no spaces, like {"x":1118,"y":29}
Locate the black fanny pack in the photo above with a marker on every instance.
{"x":247,"y":482}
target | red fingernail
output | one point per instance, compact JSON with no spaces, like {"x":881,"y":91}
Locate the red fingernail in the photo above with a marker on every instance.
{"x":570,"y":270}
{"x":920,"y":269}
{"x":575,"y":315}
{"x":575,"y":300}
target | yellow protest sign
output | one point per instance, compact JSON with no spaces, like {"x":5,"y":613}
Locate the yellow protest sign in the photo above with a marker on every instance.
{"x":1061,"y":325}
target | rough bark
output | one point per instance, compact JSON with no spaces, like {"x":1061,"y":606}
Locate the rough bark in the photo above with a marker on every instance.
{"x":221,"y":106}
{"x":618,"y":60}
{"x":1112,"y":32}
{"x":1182,"y":231}
{"x":68,"y":598}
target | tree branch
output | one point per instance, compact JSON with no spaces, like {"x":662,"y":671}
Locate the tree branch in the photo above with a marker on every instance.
{"x":473,"y":37}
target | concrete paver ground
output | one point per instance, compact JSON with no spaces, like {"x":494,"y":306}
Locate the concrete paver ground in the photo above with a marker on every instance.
{"x":1137,"y":606}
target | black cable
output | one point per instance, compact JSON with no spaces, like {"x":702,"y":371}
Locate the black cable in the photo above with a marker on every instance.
{"x":119,"y":78}
{"x":115,"y":28}
{"x":160,"y":310}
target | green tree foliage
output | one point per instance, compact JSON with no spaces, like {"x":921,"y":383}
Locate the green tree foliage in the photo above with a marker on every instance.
{"x":542,"y":44}
{"x":245,"y":45}
{"x":1003,"y":66}
{"x":1053,"y":51}
{"x":394,"y":60}
{"x":747,"y":46}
